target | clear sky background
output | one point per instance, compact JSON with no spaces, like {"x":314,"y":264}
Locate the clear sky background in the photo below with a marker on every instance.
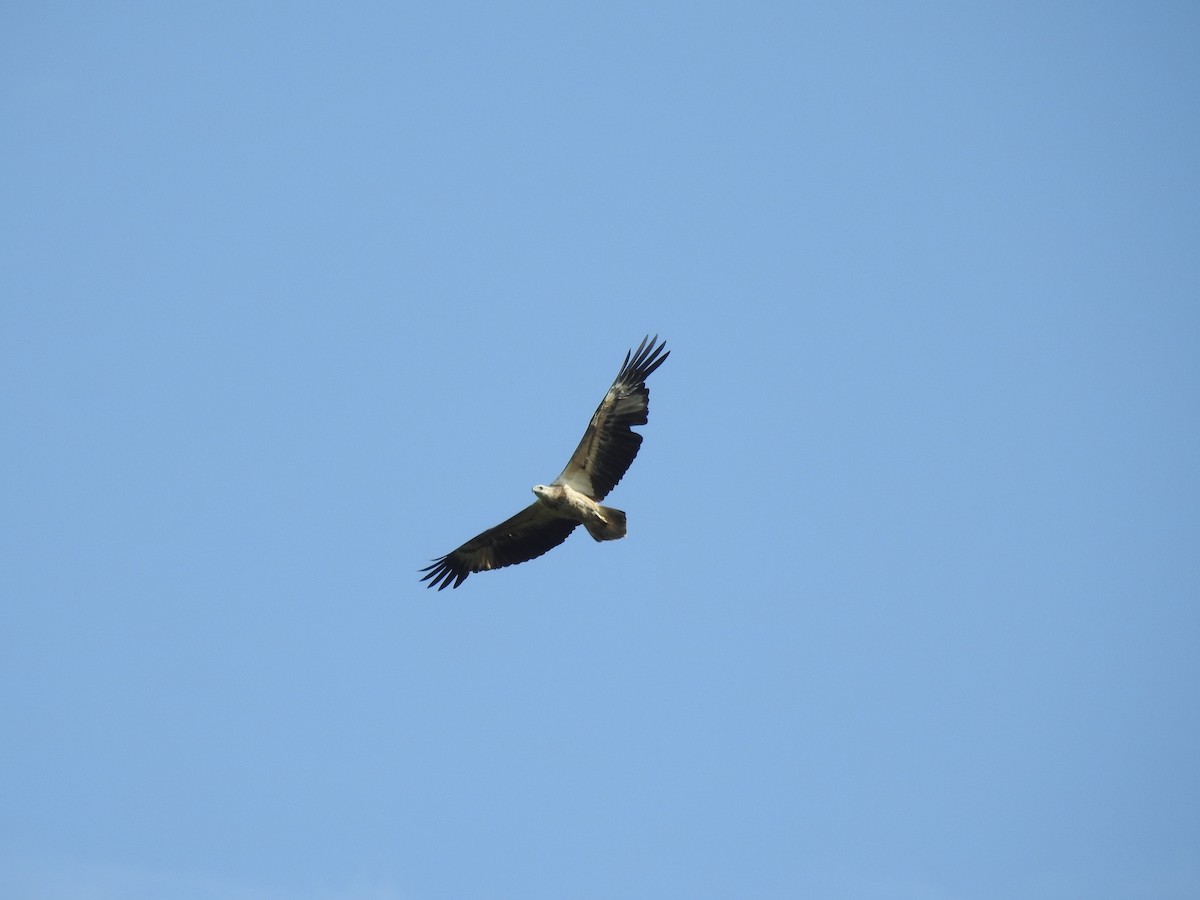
{"x":296,"y":297}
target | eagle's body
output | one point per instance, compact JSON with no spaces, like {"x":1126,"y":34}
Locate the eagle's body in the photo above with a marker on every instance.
{"x":605,"y":453}
{"x":602,"y":522}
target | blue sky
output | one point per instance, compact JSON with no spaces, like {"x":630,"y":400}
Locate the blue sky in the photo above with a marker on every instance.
{"x":297,"y":297}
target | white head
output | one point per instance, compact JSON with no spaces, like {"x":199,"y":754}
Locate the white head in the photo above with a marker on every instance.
{"x":539,"y":489}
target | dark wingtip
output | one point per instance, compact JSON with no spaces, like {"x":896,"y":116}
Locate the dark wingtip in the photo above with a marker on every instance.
{"x":441,"y":572}
{"x":640,"y":363}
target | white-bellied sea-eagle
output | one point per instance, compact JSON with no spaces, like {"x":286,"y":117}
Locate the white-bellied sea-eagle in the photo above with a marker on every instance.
{"x":603,"y":456}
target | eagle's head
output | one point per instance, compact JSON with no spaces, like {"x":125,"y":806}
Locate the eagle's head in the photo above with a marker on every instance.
{"x":550,"y":494}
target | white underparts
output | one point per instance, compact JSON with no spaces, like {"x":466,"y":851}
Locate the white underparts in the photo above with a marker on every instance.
{"x":602,"y":522}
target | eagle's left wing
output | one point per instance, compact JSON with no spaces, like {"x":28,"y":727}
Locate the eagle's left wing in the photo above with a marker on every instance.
{"x":525,"y":536}
{"x":610,"y":444}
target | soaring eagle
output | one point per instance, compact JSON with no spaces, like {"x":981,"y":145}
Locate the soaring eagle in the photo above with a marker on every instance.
{"x":603,"y":456}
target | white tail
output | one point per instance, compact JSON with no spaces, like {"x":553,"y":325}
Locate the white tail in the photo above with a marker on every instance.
{"x":613,"y":527}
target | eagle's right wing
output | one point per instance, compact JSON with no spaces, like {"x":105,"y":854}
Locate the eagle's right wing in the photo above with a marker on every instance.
{"x":525,"y":536}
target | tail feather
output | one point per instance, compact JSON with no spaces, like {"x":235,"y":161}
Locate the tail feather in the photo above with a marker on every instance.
{"x":613,"y":527}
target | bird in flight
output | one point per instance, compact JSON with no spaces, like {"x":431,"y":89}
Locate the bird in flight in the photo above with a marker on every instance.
{"x":603,"y":456}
